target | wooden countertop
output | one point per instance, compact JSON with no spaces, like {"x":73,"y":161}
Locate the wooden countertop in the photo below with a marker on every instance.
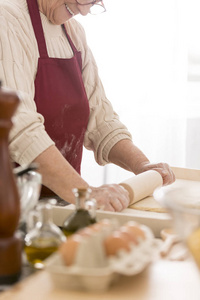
{"x":162,"y":280}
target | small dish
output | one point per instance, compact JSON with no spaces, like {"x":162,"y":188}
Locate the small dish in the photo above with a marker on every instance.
{"x":183,"y":203}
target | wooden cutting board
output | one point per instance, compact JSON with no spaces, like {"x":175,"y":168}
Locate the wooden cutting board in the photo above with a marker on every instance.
{"x":185,"y":178}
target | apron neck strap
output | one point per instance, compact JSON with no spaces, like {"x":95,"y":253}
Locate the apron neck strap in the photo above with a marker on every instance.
{"x":37,"y":27}
{"x":69,"y":39}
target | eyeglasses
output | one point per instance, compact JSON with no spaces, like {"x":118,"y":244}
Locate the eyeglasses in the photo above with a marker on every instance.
{"x":96,"y":8}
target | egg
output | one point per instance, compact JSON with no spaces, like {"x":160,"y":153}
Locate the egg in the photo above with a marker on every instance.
{"x":69,"y":248}
{"x":135,"y":229}
{"x":105,"y":222}
{"x":96,"y":227}
{"x":87,"y":231}
{"x":115,"y":242}
{"x":112,"y":238}
{"x":129,"y":235}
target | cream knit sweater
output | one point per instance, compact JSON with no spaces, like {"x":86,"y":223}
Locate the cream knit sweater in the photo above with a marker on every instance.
{"x":18,"y":68}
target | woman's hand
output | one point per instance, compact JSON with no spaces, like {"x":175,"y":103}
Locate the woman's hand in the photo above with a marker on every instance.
{"x":126,"y":155}
{"x":110,"y":197}
{"x":163,"y":168}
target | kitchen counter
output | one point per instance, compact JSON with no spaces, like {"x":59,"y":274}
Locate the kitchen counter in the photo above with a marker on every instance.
{"x":162,"y":280}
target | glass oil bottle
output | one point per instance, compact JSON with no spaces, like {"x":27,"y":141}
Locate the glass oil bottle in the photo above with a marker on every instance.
{"x":44,"y":238}
{"x":84,"y":214}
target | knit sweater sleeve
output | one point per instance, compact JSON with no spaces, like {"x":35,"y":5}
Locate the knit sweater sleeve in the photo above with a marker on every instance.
{"x":28,"y":137}
{"x":104,"y":128}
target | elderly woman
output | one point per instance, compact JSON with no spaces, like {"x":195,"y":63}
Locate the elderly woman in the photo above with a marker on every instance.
{"x":44,"y":56}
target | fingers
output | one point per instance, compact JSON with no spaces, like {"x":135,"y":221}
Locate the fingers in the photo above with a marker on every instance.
{"x":168,"y":176}
{"x":164,"y":170}
{"x":166,"y":173}
{"x":111,"y":197}
{"x":113,"y":205}
{"x":116,"y":204}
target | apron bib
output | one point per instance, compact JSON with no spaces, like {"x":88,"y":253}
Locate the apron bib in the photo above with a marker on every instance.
{"x":60,"y":95}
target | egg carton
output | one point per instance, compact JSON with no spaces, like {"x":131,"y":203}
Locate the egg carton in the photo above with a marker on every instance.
{"x":132,"y":262}
{"x":93,"y":271}
{"x":78,"y":278}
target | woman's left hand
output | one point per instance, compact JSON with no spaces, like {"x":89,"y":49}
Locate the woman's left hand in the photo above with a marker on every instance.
{"x":163,"y":168}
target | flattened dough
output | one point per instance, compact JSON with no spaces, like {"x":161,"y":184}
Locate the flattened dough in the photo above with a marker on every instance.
{"x":149,"y":204}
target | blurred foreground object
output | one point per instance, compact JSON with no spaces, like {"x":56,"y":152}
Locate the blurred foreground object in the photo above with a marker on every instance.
{"x":10,"y":242}
{"x":183,"y":203}
{"x":84,"y":214}
{"x":44,"y":237}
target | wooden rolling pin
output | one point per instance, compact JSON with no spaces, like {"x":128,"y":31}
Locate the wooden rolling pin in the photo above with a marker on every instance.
{"x":142,"y":185}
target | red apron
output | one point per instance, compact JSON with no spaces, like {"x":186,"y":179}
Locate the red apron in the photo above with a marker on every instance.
{"x":60,"y":95}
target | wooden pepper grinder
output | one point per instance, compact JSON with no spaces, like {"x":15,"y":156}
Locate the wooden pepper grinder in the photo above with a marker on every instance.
{"x":10,"y":242}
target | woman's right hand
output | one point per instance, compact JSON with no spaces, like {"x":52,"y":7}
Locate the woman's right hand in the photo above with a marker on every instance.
{"x":110,"y":197}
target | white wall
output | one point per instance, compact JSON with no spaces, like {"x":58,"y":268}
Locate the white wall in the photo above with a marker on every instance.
{"x":148,"y":53}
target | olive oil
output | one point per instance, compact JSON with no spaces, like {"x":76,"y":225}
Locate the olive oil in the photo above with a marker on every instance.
{"x":79,"y":219}
{"x":84,"y":214}
{"x":44,"y":238}
{"x":36,"y":255}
